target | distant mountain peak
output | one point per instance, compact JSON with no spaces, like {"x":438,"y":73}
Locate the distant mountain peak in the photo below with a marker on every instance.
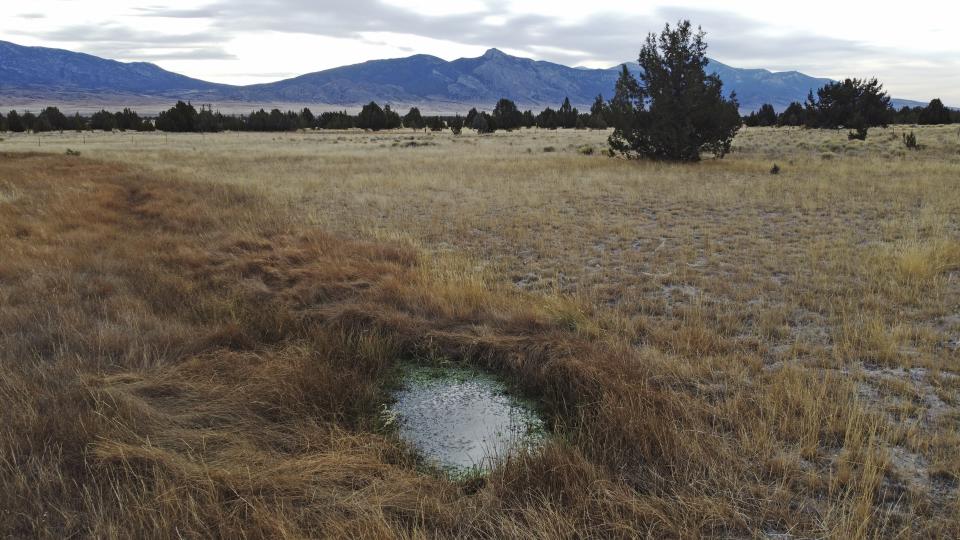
{"x":47,"y":75}
{"x":495,"y":53}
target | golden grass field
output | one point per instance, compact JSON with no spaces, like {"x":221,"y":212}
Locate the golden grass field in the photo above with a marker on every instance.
{"x":198,"y":330}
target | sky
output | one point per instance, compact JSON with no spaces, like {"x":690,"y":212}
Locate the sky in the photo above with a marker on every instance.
{"x":911,"y":47}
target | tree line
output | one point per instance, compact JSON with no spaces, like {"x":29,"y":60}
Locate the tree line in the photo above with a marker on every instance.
{"x":184,"y":117}
{"x":855,"y":104}
{"x":51,"y":119}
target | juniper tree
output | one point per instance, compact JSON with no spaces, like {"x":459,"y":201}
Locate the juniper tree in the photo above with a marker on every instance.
{"x":766,"y":115}
{"x":456,"y":125}
{"x":15,"y":122}
{"x":506,"y":115}
{"x":676,"y":111}
{"x":29,"y":120}
{"x":547,"y":119}
{"x":371,"y":117}
{"x":392,"y":118}
{"x":484,"y":123}
{"x":567,"y":115}
{"x":182,"y":117}
{"x":335,"y":120}
{"x":622,"y":111}
{"x":129,"y":119}
{"x":104,"y":121}
{"x":856,"y":104}
{"x":529,"y":120}
{"x":52,"y":119}
{"x":413,"y":119}
{"x":307,"y":119}
{"x":935,"y":113}
{"x":599,"y":112}
{"x":435,"y":123}
{"x":793,"y":115}
{"x":471,"y":116}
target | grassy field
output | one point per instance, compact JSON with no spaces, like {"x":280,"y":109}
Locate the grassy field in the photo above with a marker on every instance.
{"x":197,"y":333}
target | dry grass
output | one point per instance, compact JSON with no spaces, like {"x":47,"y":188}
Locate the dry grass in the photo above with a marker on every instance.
{"x":197,"y":332}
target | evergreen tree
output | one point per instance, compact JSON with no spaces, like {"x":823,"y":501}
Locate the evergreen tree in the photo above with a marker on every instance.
{"x":529,"y":120}
{"x":276,"y":121}
{"x":793,"y":115}
{"x":935,"y":113}
{"x":3,"y":123}
{"x":29,"y":120}
{"x":547,"y":119}
{"x":853,"y":103}
{"x":810,"y":117}
{"x":15,"y":122}
{"x":335,"y":120}
{"x":471,"y":116}
{"x":506,"y":115}
{"x":372,"y":117}
{"x":599,"y":112}
{"x":567,"y":115}
{"x":103,"y":121}
{"x":484,"y":123}
{"x":908,"y":115}
{"x":51,"y":119}
{"x":211,"y":122}
{"x":583,"y":121}
{"x":393,"y":120}
{"x":766,"y":116}
{"x":435,"y":123}
{"x":306,"y":119}
{"x":679,"y":110}
{"x":623,"y":110}
{"x":128,"y":119}
{"x":182,"y":117}
{"x":456,"y":124}
{"x":40,"y":123}
{"x":77,"y":123}
{"x":413,"y":119}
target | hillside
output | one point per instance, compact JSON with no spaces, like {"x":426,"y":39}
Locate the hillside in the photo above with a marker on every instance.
{"x":39,"y":76}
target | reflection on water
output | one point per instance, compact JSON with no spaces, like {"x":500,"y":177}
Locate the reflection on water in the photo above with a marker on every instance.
{"x":459,"y":419}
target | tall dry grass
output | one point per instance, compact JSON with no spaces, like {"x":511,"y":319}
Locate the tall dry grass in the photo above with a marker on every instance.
{"x":188,"y":350}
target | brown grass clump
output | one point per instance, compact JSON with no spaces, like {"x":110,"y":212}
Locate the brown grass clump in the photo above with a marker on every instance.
{"x":186,"y":353}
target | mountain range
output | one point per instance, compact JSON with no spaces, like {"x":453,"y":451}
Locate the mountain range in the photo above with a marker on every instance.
{"x":37,"y":76}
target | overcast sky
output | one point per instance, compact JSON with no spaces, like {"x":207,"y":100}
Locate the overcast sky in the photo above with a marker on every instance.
{"x":911,"y":46}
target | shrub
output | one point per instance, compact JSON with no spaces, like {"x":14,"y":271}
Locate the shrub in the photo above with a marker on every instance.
{"x":910,"y":141}
{"x":860,"y":134}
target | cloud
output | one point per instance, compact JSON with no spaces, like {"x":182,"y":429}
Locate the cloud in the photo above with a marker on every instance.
{"x":192,"y":13}
{"x":605,"y":37}
{"x":32,"y":16}
{"x":147,"y":54}
{"x":117,"y":41}
{"x":599,"y":39}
